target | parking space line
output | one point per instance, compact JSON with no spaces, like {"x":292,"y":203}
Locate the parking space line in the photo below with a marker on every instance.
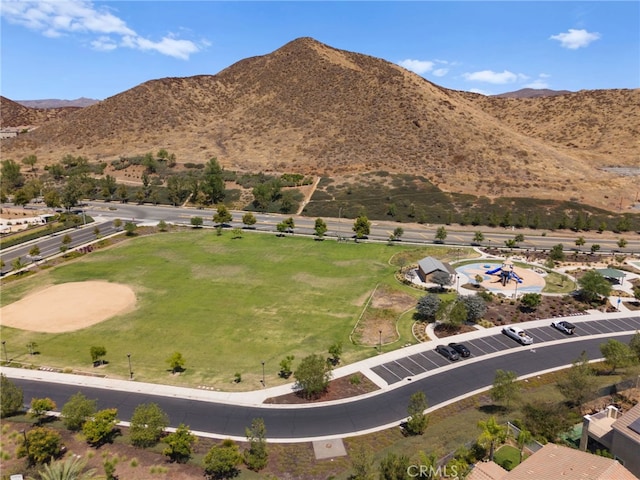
{"x":605,"y":325}
{"x":428,"y":359}
{"x":395,"y":362}
{"x":408,"y":367}
{"x":633,"y":325}
{"x":590,"y":328}
{"x":389,"y":371}
{"x":477,"y":347}
{"x":488,"y":345}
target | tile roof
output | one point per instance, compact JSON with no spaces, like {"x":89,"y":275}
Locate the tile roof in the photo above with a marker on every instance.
{"x":553,"y":462}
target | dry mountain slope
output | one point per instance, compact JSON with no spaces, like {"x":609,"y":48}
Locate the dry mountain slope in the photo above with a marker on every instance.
{"x":313,"y":109}
{"x":15,"y":115}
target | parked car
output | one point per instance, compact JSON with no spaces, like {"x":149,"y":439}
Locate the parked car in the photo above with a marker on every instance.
{"x":518,"y":334}
{"x":462,"y":350}
{"x":447,"y":352}
{"x":564,"y":326}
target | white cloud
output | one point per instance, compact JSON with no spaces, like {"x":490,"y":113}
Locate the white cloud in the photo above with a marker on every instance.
{"x":498,"y":78}
{"x":417,"y":66}
{"x":574,"y":39}
{"x":440,"y":72}
{"x":538,"y":84}
{"x":55,"y":18}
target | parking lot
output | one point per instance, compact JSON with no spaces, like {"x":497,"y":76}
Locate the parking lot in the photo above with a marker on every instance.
{"x":416,"y":364}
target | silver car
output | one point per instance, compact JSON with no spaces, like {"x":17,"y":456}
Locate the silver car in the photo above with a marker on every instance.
{"x":518,"y":334}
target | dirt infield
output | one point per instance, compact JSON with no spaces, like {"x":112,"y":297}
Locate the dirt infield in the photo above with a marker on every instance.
{"x":50,"y":310}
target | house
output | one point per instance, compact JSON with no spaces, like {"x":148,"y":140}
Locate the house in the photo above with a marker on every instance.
{"x":429,"y":265}
{"x":553,"y":462}
{"x":618,"y":433}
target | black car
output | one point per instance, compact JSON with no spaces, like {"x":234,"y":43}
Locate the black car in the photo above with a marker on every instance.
{"x":462,"y":350}
{"x":447,"y":352}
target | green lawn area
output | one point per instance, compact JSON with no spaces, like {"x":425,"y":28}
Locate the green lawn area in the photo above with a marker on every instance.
{"x":507,"y":456}
{"x":226,"y":304}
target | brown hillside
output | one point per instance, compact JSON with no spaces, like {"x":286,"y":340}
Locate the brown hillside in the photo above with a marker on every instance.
{"x":12,"y":114}
{"x":313,"y":109}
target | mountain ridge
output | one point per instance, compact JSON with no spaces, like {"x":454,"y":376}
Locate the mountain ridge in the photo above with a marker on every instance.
{"x":313,"y":109}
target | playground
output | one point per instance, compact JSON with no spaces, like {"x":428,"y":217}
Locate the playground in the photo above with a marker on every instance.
{"x":505,"y":278}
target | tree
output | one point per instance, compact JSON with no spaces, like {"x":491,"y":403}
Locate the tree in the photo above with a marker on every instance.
{"x":505,"y":388}
{"x":285,"y":366}
{"x":312,"y":376}
{"x":117,"y":223}
{"x":97,"y":352}
{"x":147,"y":425}
{"x":524,"y":437}
{"x":595,"y":248}
{"x":41,"y":445}
{"x":10,"y":175}
{"x":72,"y":468}
{"x":622,"y":243}
{"x":335,"y":350}
{"x":256,"y":456}
{"x":96,"y":231}
{"x":547,"y":420}
{"x":249,"y":219}
{"x":427,"y":307}
{"x":453,"y":313}
{"x":557,"y":253}
{"x":478,"y":238}
{"x":213,"y":182}
{"x":578,"y":382}
{"x":616,"y":354}
{"x":162,"y":226}
{"x":222,"y":215}
{"x":52,"y":198}
{"x":281,"y":228}
{"x":417,"y":421}
{"x":34,"y":251}
{"x":511,"y":243}
{"x":30,"y":161}
{"x":130,"y":228}
{"x":593,"y":285}
{"x":21,"y":197}
{"x":394,"y":467}
{"x":99,"y":428}
{"x":320,"y":228}
{"x":634,"y":344}
{"x":17,"y":264}
{"x":179,"y":444}
{"x":492,"y":433}
{"x":40,"y":407}
{"x":531,"y":301}
{"x":397,"y":233}
{"x":77,"y":410}
{"x":11,"y":397}
{"x":196,"y":222}
{"x":441,"y":235}
{"x":176,"y":362}
{"x":361,"y":227}
{"x":362,"y":463}
{"x":222,"y":460}
{"x":580,"y":241}
{"x":66,"y":241}
{"x":475,"y":305}
{"x":442,"y":278}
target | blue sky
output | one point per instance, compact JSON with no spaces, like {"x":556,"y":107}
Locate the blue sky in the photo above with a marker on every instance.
{"x":67,"y":49}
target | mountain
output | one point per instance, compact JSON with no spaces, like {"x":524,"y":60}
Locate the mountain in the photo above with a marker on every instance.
{"x":55,"y":103}
{"x":14,"y":114}
{"x":313,"y":109}
{"x":532,"y":93}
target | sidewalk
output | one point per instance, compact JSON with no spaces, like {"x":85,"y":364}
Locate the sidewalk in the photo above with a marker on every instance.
{"x":257,"y":397}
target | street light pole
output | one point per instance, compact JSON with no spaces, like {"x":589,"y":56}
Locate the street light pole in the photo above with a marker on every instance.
{"x":26,"y":445}
{"x":263,"y":384}
{"x":130,"y":371}
{"x":380,"y":341}
{"x":4,"y":348}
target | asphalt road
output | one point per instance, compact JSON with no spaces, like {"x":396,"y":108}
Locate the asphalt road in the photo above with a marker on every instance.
{"x":384,"y":410}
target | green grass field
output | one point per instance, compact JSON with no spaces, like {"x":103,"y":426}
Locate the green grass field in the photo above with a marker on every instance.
{"x":225,"y":304}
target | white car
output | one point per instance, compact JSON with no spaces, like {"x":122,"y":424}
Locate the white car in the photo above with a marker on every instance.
{"x":564,"y":326}
{"x":518,"y":334}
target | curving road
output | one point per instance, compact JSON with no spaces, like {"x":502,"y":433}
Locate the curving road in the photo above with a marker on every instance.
{"x":386,"y":408}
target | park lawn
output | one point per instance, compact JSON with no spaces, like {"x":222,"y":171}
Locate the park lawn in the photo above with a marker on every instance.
{"x":226,"y":304}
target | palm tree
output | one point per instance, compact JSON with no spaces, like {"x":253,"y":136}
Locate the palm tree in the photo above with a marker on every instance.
{"x":524,"y":437}
{"x":69,"y":469}
{"x":492,"y":432}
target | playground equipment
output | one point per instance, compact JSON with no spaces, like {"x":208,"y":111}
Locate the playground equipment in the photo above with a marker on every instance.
{"x":506,"y":273}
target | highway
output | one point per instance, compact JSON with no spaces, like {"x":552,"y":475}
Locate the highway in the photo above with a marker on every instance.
{"x":414,"y":233}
